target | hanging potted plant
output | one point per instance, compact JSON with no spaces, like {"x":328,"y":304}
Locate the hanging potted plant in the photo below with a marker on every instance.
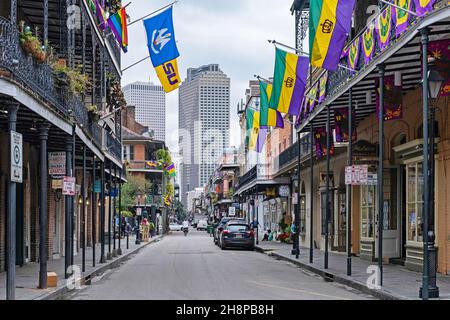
{"x":94,"y":114}
{"x":31,"y":43}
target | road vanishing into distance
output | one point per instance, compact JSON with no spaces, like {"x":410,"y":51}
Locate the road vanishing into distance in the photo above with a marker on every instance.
{"x":193,"y":268}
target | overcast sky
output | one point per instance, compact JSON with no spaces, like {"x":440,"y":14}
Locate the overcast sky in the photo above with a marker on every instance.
{"x":232,"y":33}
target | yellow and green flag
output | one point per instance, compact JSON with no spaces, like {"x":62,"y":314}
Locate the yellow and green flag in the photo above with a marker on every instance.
{"x":289,"y":82}
{"x":268,"y":116}
{"x":329,"y":25}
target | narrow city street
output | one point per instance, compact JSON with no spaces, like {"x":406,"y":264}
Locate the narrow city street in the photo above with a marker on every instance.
{"x":192,"y":267}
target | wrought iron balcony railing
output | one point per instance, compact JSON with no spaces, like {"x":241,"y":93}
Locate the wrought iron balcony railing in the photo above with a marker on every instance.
{"x":38,"y":78}
{"x":291,"y":154}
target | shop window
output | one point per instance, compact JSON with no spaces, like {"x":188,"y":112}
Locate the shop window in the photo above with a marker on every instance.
{"x":367,"y":211}
{"x":414,"y":202}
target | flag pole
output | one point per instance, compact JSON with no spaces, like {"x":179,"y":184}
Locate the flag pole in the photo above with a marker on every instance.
{"x":274,"y":42}
{"x":151,"y":13}
{"x":400,"y":8}
{"x":261,"y":78}
{"x":132,"y":65}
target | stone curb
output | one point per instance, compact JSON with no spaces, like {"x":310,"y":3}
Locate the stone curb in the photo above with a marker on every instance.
{"x":91,"y":274}
{"x":328,"y":276}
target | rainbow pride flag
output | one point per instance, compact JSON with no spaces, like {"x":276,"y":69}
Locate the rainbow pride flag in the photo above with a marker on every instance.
{"x":268,"y":117}
{"x":289,"y":82}
{"x":329,"y":25}
{"x":118,"y":25}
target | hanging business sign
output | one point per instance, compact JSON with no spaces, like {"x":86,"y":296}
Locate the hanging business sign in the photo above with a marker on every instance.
{"x":283,"y":191}
{"x":56,"y":164}
{"x":69,"y":188}
{"x":16,"y":157}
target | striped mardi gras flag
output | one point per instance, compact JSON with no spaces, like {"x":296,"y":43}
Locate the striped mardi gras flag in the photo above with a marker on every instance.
{"x":289,"y":82}
{"x":323,"y":87}
{"x":329,"y":24}
{"x":268,"y":117}
{"x":101,"y":15}
{"x":252,"y":127}
{"x":401,"y":17}
{"x":353,"y":54}
{"x":171,"y":170}
{"x":368,"y":43}
{"x":423,"y":6}
{"x":383,"y":26}
{"x":118,"y":25}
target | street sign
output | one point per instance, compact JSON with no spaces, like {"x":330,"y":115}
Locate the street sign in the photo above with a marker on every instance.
{"x":57,"y":164}
{"x":231,"y":211}
{"x":138,"y":211}
{"x":294,"y":198}
{"x":16,"y":157}
{"x":357,"y":175}
{"x":68,"y":186}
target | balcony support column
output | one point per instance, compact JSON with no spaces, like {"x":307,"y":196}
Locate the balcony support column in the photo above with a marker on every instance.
{"x":348,"y":196}
{"x":43,"y":208}
{"x":102,"y":213}
{"x":327,"y":193}
{"x":94,"y":212}
{"x":380,"y":177}
{"x":311,"y":198}
{"x":11,"y":215}
{"x":45,"y":23}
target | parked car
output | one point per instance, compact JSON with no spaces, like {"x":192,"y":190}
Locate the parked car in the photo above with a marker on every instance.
{"x":237,"y":234}
{"x":219,"y":227}
{"x":202,"y":224}
{"x":175,"y":227}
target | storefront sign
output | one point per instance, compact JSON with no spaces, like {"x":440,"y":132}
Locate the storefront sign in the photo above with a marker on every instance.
{"x":231,"y":211}
{"x":57,"y":164}
{"x":68,"y":186}
{"x":16,"y":157}
{"x":97,"y":186}
{"x":283,"y":191}
{"x":57,"y":184}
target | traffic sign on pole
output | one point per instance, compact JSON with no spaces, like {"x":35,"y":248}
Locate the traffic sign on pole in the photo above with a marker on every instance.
{"x":16,"y":157}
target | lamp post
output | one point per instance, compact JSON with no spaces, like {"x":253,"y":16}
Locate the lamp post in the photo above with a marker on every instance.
{"x":435,"y":81}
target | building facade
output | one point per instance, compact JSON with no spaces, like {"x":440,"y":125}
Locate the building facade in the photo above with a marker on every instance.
{"x":150,"y":102}
{"x":66,"y":131}
{"x":204,"y":122}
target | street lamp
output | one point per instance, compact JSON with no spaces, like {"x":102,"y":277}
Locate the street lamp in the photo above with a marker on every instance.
{"x":435,"y":82}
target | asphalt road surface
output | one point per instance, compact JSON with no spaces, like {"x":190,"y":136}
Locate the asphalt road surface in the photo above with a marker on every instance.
{"x":193,"y":268}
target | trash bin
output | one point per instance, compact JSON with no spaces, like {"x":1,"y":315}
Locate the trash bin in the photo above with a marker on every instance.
{"x":209,"y":229}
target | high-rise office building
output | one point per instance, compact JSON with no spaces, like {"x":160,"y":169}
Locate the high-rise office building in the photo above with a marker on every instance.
{"x":204,"y":124}
{"x":150,"y":102}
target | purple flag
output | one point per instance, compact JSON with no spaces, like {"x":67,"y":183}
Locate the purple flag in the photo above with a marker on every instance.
{"x":401,"y":17}
{"x":262,"y":135}
{"x":393,"y":104}
{"x":383,"y":27}
{"x":423,"y":6}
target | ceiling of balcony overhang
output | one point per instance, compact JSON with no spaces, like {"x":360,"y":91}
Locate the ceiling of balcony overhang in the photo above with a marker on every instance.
{"x":406,"y":60}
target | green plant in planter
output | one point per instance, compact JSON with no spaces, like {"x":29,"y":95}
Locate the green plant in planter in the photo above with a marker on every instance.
{"x":94,"y":113}
{"x":76,"y":80}
{"x":31,"y":43}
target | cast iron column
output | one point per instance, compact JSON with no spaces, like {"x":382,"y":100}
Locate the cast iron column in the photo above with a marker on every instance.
{"x":327,"y":194}
{"x":119,"y":249}
{"x":311,"y":205}
{"x":114,"y":213}
{"x":83,"y":213}
{"x":109,"y":255}
{"x":43,"y":209}
{"x":297,"y":211}
{"x":348,"y":196}
{"x":72,"y":206}
{"x":380,"y":178}
{"x":102,"y":213}
{"x":93,"y":212}
{"x":67,"y":210}
{"x":11,"y":217}
{"x":424,"y":292}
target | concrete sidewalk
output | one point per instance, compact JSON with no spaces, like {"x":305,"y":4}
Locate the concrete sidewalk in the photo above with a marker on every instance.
{"x":28,"y":275}
{"x":398,"y":282}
